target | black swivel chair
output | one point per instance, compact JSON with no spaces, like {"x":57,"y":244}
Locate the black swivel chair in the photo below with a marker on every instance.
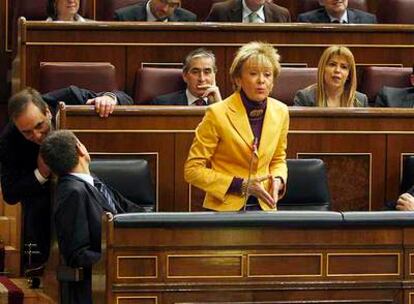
{"x":307,"y":186}
{"x":131,"y":177}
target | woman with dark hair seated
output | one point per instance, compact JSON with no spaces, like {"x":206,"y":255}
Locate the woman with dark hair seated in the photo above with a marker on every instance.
{"x":64,"y":10}
{"x":337,"y":82}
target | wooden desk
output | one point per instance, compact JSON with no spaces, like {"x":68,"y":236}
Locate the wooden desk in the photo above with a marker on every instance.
{"x":256,"y":258}
{"x":128,"y":45}
{"x":363,"y":148}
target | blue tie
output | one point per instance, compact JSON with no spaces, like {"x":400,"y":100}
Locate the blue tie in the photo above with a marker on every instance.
{"x":106,"y":193}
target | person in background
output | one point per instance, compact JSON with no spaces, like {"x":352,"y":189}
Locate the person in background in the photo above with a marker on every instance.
{"x":199,"y":73}
{"x":396,"y":97}
{"x":238,"y":155}
{"x":336,"y":86}
{"x":24,"y":175}
{"x":248,"y":11}
{"x":155,"y":10}
{"x":64,"y":10}
{"x":336,"y":11}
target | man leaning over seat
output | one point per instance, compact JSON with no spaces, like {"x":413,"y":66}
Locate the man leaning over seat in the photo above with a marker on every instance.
{"x":24,"y":175}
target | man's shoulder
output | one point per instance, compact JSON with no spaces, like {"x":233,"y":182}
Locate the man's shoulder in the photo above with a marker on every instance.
{"x":131,"y":12}
{"x":174,"y":98}
{"x":362,"y":17}
{"x":312,"y":16}
{"x":225,"y":5}
{"x":185,"y":15}
{"x":277,"y":8}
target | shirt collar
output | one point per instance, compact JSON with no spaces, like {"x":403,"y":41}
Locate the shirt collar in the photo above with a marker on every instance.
{"x":191,"y":98}
{"x":150,"y":16}
{"x":343,"y":19}
{"x":247,"y":11}
{"x":85,"y":177}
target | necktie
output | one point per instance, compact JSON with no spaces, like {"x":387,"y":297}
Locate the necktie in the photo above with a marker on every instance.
{"x":253,"y":17}
{"x":199,"y":102}
{"x":106,"y":193}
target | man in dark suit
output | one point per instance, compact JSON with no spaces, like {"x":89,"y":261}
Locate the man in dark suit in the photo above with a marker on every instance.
{"x":24,"y":176}
{"x":80,"y":202}
{"x":336,"y":11}
{"x":199,"y":73}
{"x":248,"y":11}
{"x":155,"y":10}
{"x":396,"y":97}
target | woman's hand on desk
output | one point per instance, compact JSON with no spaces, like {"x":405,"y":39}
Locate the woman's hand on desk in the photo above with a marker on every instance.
{"x":255,"y":188}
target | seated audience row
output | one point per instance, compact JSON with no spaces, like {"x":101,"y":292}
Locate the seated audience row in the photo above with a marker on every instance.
{"x":246,"y":11}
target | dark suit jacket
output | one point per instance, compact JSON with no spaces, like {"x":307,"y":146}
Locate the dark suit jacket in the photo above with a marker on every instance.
{"x":78,"y":210}
{"x":18,"y":158}
{"x":138,"y":12}
{"x":177,"y":98}
{"x":321,"y":16}
{"x":307,"y":98}
{"x":232,"y":11}
{"x":395,"y":97}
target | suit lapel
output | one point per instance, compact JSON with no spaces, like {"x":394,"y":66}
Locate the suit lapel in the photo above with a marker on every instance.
{"x":238,"y":119}
{"x":268,"y":13}
{"x":236,"y":13}
{"x":352,"y":17}
{"x":270,"y":124}
{"x":92,"y":191}
{"x":182,"y":100}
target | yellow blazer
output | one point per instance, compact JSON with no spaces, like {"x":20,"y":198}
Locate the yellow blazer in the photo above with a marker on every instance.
{"x":222,"y":149}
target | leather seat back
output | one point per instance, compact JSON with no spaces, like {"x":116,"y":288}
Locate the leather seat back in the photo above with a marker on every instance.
{"x":95,"y":76}
{"x":307,"y":186}
{"x":131,"y":177}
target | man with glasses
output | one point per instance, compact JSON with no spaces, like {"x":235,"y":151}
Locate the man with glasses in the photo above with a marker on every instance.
{"x":155,"y":10}
{"x":24,"y":175}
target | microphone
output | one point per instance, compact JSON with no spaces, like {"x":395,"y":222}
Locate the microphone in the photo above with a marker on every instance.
{"x":251,"y":162}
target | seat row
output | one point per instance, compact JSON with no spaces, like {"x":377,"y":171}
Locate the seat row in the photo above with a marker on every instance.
{"x":104,"y":9}
{"x":154,"y":81}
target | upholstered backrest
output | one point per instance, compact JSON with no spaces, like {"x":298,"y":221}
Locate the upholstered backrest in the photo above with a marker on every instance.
{"x":95,"y":76}
{"x":307,"y":186}
{"x":151,"y":82}
{"x":290,"y":81}
{"x":107,"y":10}
{"x":395,"y":11}
{"x":131,"y":177}
{"x":375,"y":77}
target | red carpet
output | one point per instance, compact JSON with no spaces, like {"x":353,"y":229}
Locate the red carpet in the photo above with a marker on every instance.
{"x":9,"y":292}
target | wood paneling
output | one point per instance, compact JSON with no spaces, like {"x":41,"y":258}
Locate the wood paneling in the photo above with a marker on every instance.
{"x":169,"y":43}
{"x":361,"y":147}
{"x":264,"y":264}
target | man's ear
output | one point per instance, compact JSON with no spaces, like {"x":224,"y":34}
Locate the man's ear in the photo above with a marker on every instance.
{"x":81,"y":149}
{"x":48,"y":114}
{"x":185,"y":77}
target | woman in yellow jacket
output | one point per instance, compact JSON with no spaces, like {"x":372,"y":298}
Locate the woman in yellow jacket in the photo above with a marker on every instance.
{"x":238,"y":156}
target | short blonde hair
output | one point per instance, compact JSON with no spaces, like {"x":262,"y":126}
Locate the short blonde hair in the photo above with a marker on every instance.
{"x":261,"y":52}
{"x":348,"y":98}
